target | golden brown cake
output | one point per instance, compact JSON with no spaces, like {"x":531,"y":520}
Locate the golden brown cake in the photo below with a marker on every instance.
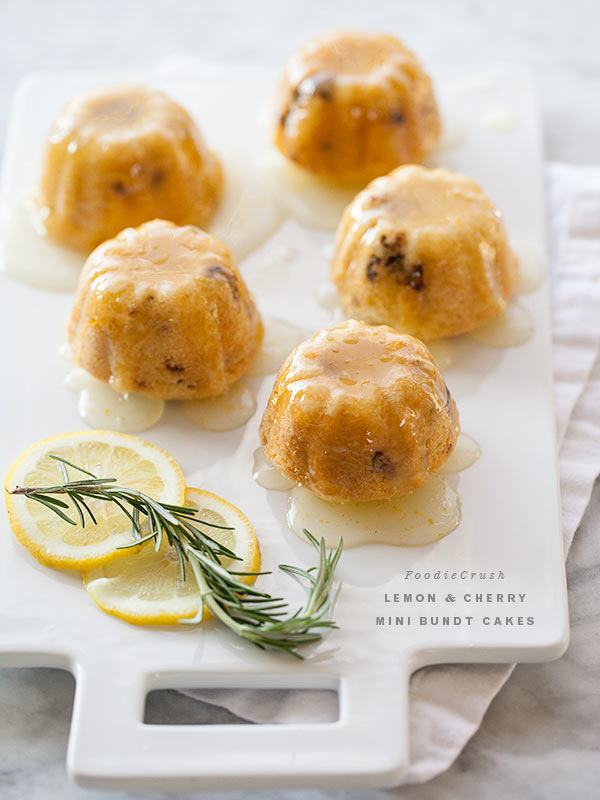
{"x":353,"y":105}
{"x":163,"y":311}
{"x":120,"y":156}
{"x":425,"y":251}
{"x":359,"y":412}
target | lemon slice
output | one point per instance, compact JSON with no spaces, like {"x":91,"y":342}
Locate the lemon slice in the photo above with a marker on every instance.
{"x":147,"y":588}
{"x":132,"y":461}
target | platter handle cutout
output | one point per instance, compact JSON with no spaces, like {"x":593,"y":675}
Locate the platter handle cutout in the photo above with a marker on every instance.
{"x":111,"y":747}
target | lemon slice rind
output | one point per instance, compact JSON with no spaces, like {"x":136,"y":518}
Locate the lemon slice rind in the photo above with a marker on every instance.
{"x":53,"y":551}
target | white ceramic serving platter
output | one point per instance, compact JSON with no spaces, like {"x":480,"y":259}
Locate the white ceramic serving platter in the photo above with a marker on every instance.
{"x":510,"y":525}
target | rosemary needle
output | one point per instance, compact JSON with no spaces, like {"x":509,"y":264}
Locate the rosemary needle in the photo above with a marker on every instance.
{"x":249,"y":612}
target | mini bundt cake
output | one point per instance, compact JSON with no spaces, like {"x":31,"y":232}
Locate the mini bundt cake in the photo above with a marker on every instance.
{"x":120,"y":156}
{"x":162,"y":310}
{"x":359,"y":412}
{"x":425,"y":251}
{"x":353,"y":105}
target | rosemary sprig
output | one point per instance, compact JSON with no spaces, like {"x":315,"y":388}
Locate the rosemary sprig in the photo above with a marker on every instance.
{"x":247,"y":611}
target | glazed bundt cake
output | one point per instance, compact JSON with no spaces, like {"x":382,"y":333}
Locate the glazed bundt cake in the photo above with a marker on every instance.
{"x":425,"y":251}
{"x":353,"y":105}
{"x":162,"y":310}
{"x":120,"y":156}
{"x":359,"y":412}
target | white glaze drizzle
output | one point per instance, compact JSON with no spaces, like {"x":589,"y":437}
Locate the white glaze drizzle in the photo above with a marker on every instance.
{"x":531,"y":270}
{"x":268,"y":476}
{"x":499,"y":120}
{"x":466,"y":452}
{"x":224,"y":413}
{"x":30,"y":256}
{"x":512,"y":328}
{"x":250,"y":210}
{"x":268,"y":268}
{"x":453,"y":135}
{"x":422,"y":517}
{"x":441,"y":352}
{"x":65,"y":352}
{"x":327,"y":296}
{"x":101,"y":407}
{"x":279,"y":340}
{"x":310,"y":200}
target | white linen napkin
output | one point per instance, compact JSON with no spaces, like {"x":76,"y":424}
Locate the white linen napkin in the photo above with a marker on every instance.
{"x":448,"y":702}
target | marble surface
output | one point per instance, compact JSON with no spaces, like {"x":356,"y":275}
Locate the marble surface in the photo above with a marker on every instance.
{"x":539,"y":738}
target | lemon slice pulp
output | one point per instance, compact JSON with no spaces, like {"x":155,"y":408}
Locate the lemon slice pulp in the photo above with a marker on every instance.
{"x":147,"y":589}
{"x":132,"y":461}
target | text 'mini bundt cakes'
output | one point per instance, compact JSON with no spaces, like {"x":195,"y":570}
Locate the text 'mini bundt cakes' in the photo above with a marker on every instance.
{"x":425,"y":251}
{"x":353,"y":105}
{"x":120,"y":156}
{"x":163,"y":311}
{"x":359,"y":412}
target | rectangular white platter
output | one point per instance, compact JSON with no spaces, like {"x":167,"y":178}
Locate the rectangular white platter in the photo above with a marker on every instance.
{"x":510,"y":501}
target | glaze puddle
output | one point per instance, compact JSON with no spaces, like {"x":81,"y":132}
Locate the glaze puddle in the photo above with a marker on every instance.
{"x":101,"y":407}
{"x":513,"y":328}
{"x":327,"y":296}
{"x":268,"y":476}
{"x":311,"y":201}
{"x":466,"y":452}
{"x":30,"y":256}
{"x":499,"y":120}
{"x":250,"y":211}
{"x":231,"y":410}
{"x":453,"y":135}
{"x":279,"y":340}
{"x":531,"y":270}
{"x":272,"y":264}
{"x":441,"y":352}
{"x":420,"y":518}
{"x":65,"y":352}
